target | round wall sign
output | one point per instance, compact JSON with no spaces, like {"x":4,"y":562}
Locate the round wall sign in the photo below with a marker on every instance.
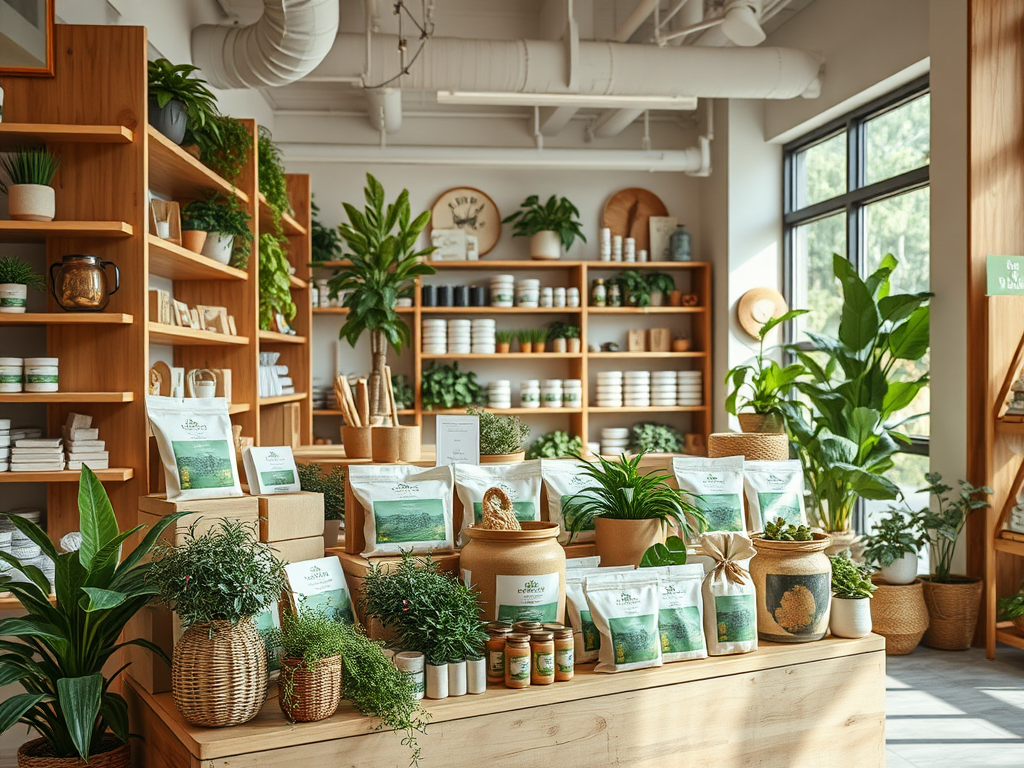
{"x":469,"y":209}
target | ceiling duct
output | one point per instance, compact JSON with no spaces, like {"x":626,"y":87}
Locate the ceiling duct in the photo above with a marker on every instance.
{"x":284,"y":45}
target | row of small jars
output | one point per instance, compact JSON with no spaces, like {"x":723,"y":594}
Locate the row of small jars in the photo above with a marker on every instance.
{"x":528,"y":653}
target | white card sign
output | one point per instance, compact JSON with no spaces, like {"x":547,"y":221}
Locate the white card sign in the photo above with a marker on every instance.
{"x":458,"y":440}
{"x":270,"y":469}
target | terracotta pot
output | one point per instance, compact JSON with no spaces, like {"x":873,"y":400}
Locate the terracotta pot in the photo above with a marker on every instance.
{"x":503,"y":347}
{"x":193,"y":240}
{"x":409,"y":442}
{"x":307,"y":694}
{"x":385,"y":445}
{"x":502,"y":458}
{"x":675,"y":298}
{"x":573,"y":346}
{"x":850,"y":617}
{"x":526,"y":347}
{"x":899,"y":614}
{"x":539,"y":346}
{"x":520,"y":574}
{"x":357,"y":443}
{"x":952,"y":612}
{"x":623,"y":542}
{"x":546,"y":245}
{"x":770,"y":423}
{"x":39,"y":754}
{"x":794,"y":589}
{"x":680,"y":345}
{"x":331,"y":530}
{"x":903,"y":570}
{"x":31,"y":202}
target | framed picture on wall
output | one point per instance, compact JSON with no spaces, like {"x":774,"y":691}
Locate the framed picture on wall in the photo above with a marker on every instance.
{"x":26,"y":38}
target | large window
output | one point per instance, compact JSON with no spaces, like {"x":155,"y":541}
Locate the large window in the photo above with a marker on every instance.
{"x":859,"y":187}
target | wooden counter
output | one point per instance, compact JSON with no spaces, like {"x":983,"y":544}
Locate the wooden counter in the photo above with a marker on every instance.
{"x":819,"y":705}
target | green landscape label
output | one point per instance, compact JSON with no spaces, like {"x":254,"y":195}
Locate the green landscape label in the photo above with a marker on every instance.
{"x":1005,"y":275}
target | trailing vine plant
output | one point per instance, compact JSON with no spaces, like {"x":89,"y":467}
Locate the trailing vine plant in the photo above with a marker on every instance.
{"x":275,"y":293}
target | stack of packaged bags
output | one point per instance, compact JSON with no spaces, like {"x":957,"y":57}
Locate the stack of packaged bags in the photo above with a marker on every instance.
{"x":82,"y":444}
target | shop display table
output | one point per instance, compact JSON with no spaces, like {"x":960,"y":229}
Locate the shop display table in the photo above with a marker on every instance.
{"x":785,"y":706}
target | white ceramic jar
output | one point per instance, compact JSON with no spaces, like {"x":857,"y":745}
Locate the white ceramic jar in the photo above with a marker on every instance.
{"x":41,"y":374}
{"x":476,"y":675}
{"x":457,"y":678}
{"x":902,"y":571}
{"x":12,"y":375}
{"x":437,"y":681}
{"x":850,"y":617}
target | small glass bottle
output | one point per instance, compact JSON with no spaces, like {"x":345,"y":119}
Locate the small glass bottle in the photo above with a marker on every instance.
{"x":542,"y":657}
{"x":517,"y":660}
{"x":565,"y":655}
{"x":496,"y":635}
{"x":598,"y":294}
{"x":526,"y":627}
{"x":614,"y":295}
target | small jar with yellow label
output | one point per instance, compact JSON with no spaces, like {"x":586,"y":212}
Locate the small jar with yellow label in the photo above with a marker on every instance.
{"x":517,"y":660}
{"x":542,"y":651}
{"x":496,"y":635}
{"x":565,"y":655}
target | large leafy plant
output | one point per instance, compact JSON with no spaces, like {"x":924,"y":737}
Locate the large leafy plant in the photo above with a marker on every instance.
{"x":855,"y":390}
{"x":556,"y":215}
{"x":57,"y":653}
{"x":168,"y":82}
{"x":445,"y":386}
{"x":384,"y":266}
{"x":942,"y":526}
{"x":555,"y":445}
{"x":763,"y":386}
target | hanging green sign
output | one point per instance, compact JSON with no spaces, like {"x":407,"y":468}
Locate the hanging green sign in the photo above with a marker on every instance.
{"x":1005,"y":275}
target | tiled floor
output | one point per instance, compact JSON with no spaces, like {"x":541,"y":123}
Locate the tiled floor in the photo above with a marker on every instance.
{"x":948,"y":709}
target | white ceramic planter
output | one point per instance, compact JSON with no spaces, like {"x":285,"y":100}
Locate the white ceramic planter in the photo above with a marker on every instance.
{"x":457,"y":678}
{"x":476,"y":675}
{"x":902,"y":571}
{"x":331,"y":531}
{"x":13,"y":297}
{"x":545,"y":245}
{"x":218,"y":247}
{"x":437,"y":681}
{"x":657,"y":299}
{"x":850,"y":617}
{"x":31,"y":202}
{"x":412,"y":664}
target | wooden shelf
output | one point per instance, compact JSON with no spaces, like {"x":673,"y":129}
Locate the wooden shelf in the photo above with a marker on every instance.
{"x":67,"y":476}
{"x":291,"y":227}
{"x":282,"y":399}
{"x":493,"y":266}
{"x":509,"y":356}
{"x":176,"y":263}
{"x":177,"y":336}
{"x":67,"y":397}
{"x":335,"y":412}
{"x":234,"y":408}
{"x":652,"y":355}
{"x":501,"y":310}
{"x":16,"y":135}
{"x":507,"y":411}
{"x":175,"y":173}
{"x":66,"y":318}
{"x":10,"y":602}
{"x":344,"y":310}
{"x":41,"y":231}
{"x":273,"y":337}
{"x":649,"y":409}
{"x":297,"y":283}
{"x":656,"y":265}
{"x":645,"y":310}
{"x":1006,"y":633}
{"x":1010,"y":546}
{"x":332,"y":264}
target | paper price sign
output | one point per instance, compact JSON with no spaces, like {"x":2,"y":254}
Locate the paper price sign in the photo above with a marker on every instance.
{"x":1005,"y":275}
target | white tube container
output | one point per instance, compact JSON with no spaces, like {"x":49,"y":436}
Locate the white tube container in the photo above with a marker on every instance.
{"x":457,"y":678}
{"x":13,"y":298}
{"x":476,"y":675}
{"x":41,"y":374}
{"x":12,"y":376}
{"x":412,"y":663}
{"x":850,"y":617}
{"x":437,"y":681}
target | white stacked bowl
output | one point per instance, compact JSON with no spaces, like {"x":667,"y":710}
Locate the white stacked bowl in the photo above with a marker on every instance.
{"x":637,"y":390}
{"x":689,"y":388}
{"x":614,"y":440}
{"x":572,"y":393}
{"x":528,"y":292}
{"x":435,"y":336}
{"x":459,"y":337}
{"x":503,"y":288}
{"x":499,"y":394}
{"x":609,"y":389}
{"x":664,"y":391}
{"x":22,"y":547}
{"x":551,"y":393}
{"x":529,"y":393}
{"x":482,"y":336}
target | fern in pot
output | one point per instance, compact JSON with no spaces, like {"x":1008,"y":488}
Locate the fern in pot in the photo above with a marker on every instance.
{"x":16,"y":277}
{"x":551,"y":226}
{"x":29,"y":174}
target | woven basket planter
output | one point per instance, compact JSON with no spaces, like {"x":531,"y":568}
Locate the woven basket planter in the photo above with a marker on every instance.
{"x":219,"y":673}
{"x":761,"y":423}
{"x":753,"y":446}
{"x":953,"y":613}
{"x":38,"y":753}
{"x":899,"y":614}
{"x":307,"y":694}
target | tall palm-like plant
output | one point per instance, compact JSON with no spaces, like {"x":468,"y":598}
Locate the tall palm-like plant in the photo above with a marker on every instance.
{"x":384,"y":267}
{"x":57,"y":652}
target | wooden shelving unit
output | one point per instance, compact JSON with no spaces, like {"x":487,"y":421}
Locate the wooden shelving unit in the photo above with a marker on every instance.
{"x":67,"y":476}
{"x":175,"y":173}
{"x":273,"y":337}
{"x":176,"y":336}
{"x":15,"y":135}
{"x":67,"y":318}
{"x":41,"y":231}
{"x":67,"y":397}
{"x":169,"y":260}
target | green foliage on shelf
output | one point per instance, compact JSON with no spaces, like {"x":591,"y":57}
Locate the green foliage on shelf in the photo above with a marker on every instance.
{"x":224,"y":143}
{"x":849,"y":579}
{"x":309,"y":636}
{"x":445,"y":386}
{"x":223,"y":214}
{"x":1010,"y":608}
{"x":404,"y":396}
{"x":275,"y":282}
{"x":272,"y":183}
{"x":28,"y":166}
{"x":169,"y":82}
{"x":660,"y":282}
{"x":504,"y":337}
{"x":532,"y":335}
{"x":780,"y":530}
{"x":558,"y":330}
{"x":500,"y":435}
{"x":656,"y":438}
{"x":555,"y":445}
{"x":892,"y":537}
{"x":332,"y":485}
{"x":326,"y":241}
{"x":768,"y":384}
{"x":943,"y":525}
{"x":556,"y":215}
{"x":637,"y":286}
{"x":16,"y":270}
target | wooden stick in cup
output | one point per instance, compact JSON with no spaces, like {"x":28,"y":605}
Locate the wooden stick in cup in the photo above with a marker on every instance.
{"x":363,"y":401}
{"x":391,"y":395}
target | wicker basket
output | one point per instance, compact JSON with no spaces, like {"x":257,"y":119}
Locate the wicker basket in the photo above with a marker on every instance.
{"x":219,"y":673}
{"x":753,"y":446}
{"x":898,"y":614}
{"x":113,"y":753}
{"x":953,"y":613}
{"x":309,"y":694}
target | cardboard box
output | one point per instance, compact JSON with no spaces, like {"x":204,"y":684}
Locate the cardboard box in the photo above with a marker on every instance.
{"x":659,"y":340}
{"x":289,"y":516}
{"x":636,"y":340}
{"x":297,"y":550}
{"x":203,"y":513}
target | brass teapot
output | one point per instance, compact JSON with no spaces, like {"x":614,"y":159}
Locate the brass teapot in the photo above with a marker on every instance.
{"x":80,"y":282}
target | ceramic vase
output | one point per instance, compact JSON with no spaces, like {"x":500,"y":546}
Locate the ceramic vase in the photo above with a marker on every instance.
{"x":546,"y":245}
{"x":850,"y":617}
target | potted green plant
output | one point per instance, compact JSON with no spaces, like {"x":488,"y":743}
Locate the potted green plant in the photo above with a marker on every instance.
{"x":445,"y":386}
{"x":953,"y":601}
{"x":573,"y":343}
{"x":177,"y":99}
{"x":501,"y":437}
{"x":656,"y":438}
{"x":275,"y":283}
{"x":855,"y":387}
{"x":226,"y":226}
{"x":272,"y":182}
{"x":893,"y":546}
{"x":1012,"y":609}
{"x":309,"y":686}
{"x":503,"y":341}
{"x":852,"y":590}
{"x":16,"y":277}
{"x":29,"y":175}
{"x":525,"y":338}
{"x":660,"y":285}
{"x":635,"y":290}
{"x":384,"y":268}
{"x":224,"y":144}
{"x":550,"y":226}
{"x":629,"y":511}
{"x":555,"y":445}
{"x":331,"y":484}
{"x":760,"y":392}
{"x":793,"y":578}
{"x":217,"y":582}
{"x":402,"y":391}
{"x":58,"y":653}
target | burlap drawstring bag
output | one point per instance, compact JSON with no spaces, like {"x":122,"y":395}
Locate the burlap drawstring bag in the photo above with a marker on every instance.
{"x":730,"y":605}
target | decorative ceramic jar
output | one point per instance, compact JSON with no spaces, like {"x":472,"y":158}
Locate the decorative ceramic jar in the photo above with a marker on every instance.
{"x":794,"y":589}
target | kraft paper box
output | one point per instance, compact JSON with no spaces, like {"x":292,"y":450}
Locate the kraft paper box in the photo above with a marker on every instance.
{"x":297,"y":550}
{"x":204,"y":513}
{"x":291,"y":516}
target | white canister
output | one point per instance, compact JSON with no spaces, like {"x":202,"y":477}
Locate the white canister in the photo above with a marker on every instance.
{"x":476,"y":675}
{"x":457,"y":678}
{"x":551,"y":398}
{"x":572,"y":399}
{"x":412,"y":663}
{"x":547,"y":297}
{"x":41,"y":374}
{"x":558,"y":297}
{"x":572,"y":297}
{"x":12,"y":376}
{"x":437,"y":681}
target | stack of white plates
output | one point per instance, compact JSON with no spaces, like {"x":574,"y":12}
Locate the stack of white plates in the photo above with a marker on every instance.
{"x":435,"y":336}
{"x":529,"y":393}
{"x":609,"y":389}
{"x":663,"y":388}
{"x":22,"y":547}
{"x":551,"y":393}
{"x":528,"y":292}
{"x":502,"y":290}
{"x":499,"y":394}
{"x":637,"y":392}
{"x":459,"y":337}
{"x":614,"y":440}
{"x":483,"y":342}
{"x":690,"y":388}
{"x":572,"y":393}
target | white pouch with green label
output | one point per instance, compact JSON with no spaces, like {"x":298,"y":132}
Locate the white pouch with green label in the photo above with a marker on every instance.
{"x":587,"y":639}
{"x":521,"y":482}
{"x":716,"y":486}
{"x":730,"y":606}
{"x":774,"y":489}
{"x":624,"y":608}
{"x":406,"y":508}
{"x":563,"y":479}
{"x":681,"y":612}
{"x":196,"y":447}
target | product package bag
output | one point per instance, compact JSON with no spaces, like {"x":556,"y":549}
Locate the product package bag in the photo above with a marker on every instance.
{"x":774,"y":489}
{"x":730,"y":603}
{"x":563,"y":479}
{"x":717,"y":489}
{"x":407,"y":508}
{"x":586,"y":638}
{"x":196,"y":446}
{"x":583,"y":562}
{"x":624,"y":608}
{"x":681,"y":612}
{"x":520,"y":482}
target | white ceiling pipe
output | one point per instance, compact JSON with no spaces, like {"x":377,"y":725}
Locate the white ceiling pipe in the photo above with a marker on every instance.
{"x":384,"y":107}
{"x":615,"y":121}
{"x":635,"y":20}
{"x":540,"y":66}
{"x":284,"y":45}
